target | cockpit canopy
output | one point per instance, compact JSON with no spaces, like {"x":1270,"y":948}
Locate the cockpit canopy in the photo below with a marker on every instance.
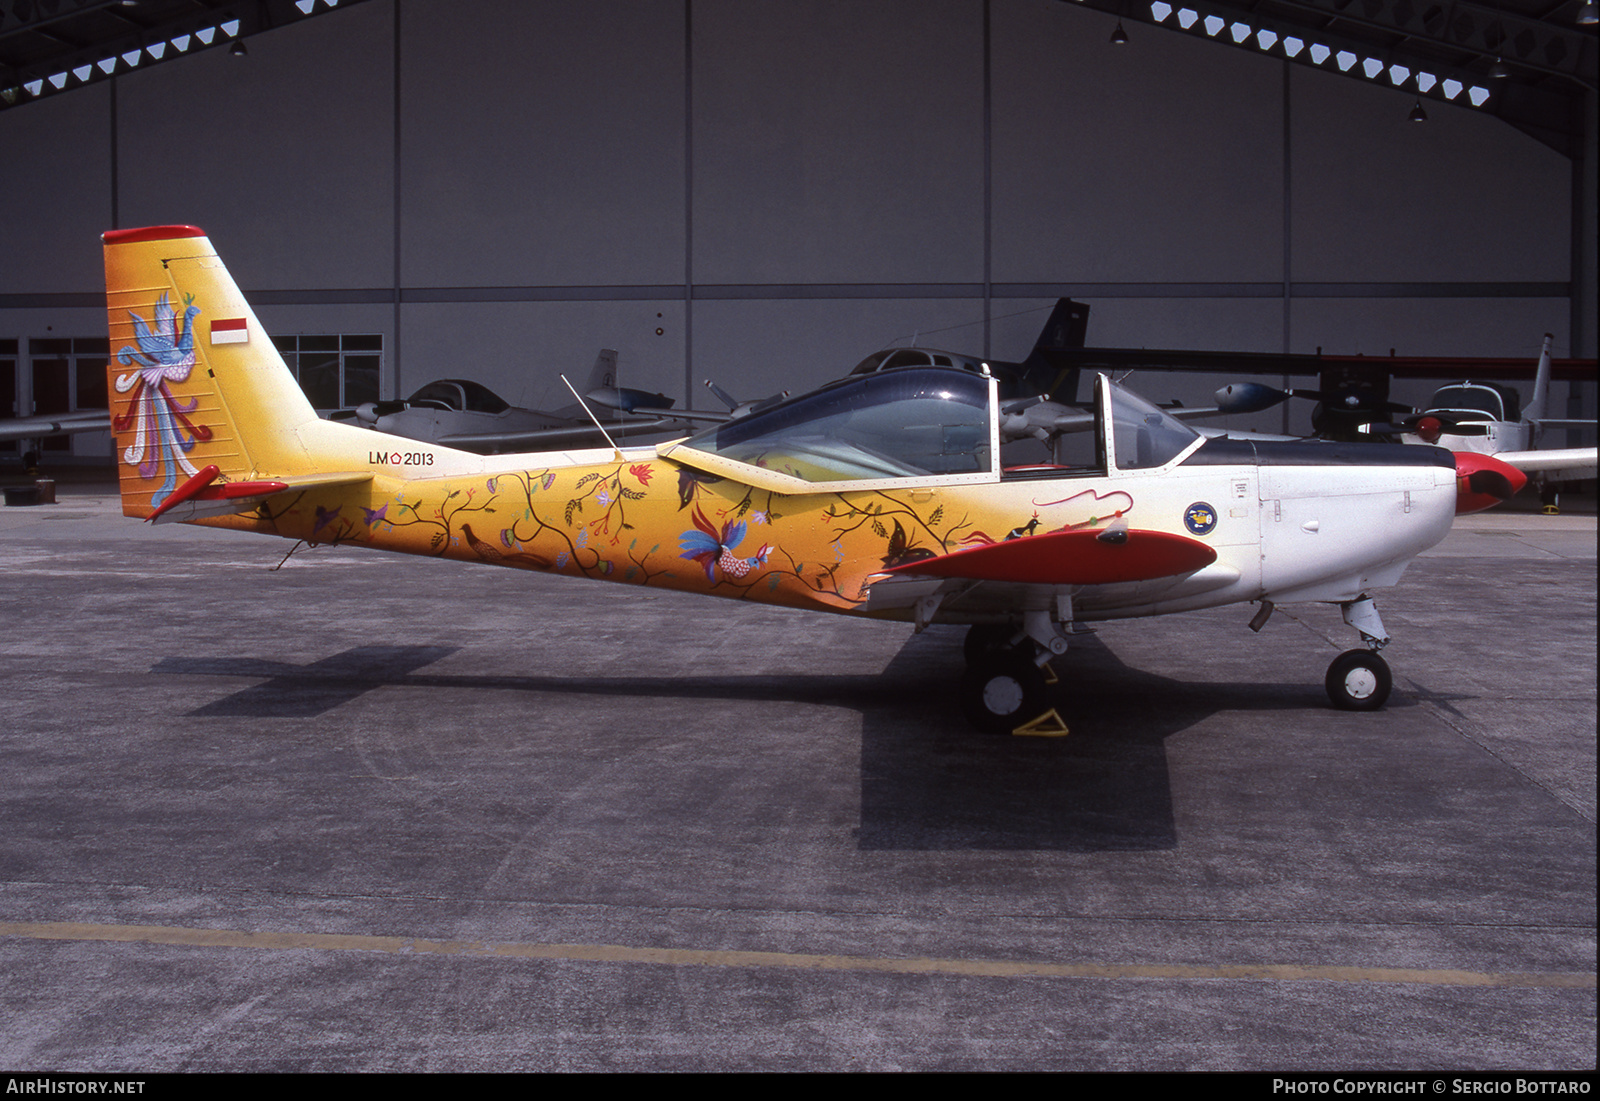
{"x":461,"y":395}
{"x":938,"y":425}
{"x":1478,"y":400}
{"x":891,"y":359}
{"x":913,"y":423}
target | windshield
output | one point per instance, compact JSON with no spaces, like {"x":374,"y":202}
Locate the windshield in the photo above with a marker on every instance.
{"x":1144,"y":436}
{"x":909,"y":423}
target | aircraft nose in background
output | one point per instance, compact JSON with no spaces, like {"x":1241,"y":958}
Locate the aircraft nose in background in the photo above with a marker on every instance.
{"x":1483,"y":481}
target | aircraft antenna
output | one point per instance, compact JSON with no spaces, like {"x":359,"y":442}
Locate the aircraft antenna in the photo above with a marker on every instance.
{"x":594,"y":418}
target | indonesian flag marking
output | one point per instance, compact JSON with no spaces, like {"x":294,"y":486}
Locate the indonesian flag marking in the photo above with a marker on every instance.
{"x":230,"y":330}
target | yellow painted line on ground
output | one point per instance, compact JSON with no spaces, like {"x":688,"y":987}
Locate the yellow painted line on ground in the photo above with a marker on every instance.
{"x":692,"y":957}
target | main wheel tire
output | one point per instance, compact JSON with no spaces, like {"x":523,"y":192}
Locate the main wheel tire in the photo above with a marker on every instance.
{"x":985,"y":641}
{"x":1359,"y":680}
{"x":998,"y":695}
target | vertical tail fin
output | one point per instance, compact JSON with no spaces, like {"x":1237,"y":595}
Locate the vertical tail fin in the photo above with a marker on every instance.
{"x":604,"y":372}
{"x":1065,"y":330}
{"x":1537,"y":408}
{"x":194,"y":379}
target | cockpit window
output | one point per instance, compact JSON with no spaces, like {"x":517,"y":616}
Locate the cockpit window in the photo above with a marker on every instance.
{"x":481,"y":399}
{"x":1143,"y":435}
{"x":1471,"y":399}
{"x":870,"y":364}
{"x":462,"y":395}
{"x":910,"y":423}
{"x":896,"y":358}
{"x":906,"y":357}
{"x":446,"y":395}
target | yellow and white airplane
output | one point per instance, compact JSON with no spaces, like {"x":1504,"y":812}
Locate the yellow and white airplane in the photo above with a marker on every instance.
{"x":882,"y":494}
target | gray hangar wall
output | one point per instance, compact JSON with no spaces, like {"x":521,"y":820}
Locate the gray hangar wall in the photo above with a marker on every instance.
{"x":762,"y":193}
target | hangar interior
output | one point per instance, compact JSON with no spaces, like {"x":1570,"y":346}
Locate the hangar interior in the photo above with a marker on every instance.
{"x":274,"y":807}
{"x":762,"y":193}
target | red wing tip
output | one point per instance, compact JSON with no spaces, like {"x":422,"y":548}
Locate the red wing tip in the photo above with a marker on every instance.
{"x":150,"y":233}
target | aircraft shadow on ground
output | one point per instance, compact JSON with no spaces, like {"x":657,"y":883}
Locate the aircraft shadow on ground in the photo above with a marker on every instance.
{"x":928,"y":780}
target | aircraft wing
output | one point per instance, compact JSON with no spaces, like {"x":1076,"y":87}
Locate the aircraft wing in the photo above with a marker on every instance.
{"x":57,"y":424}
{"x":1048,"y":419}
{"x":1572,"y":464}
{"x":1118,"y":360}
{"x":714,"y":415}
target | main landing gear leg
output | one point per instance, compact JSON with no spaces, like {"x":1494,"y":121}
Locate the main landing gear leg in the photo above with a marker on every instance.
{"x":1004,"y":687}
{"x":1359,"y":680}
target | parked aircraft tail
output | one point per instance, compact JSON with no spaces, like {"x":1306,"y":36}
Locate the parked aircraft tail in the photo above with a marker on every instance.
{"x":1064,"y":330}
{"x":1538,"y":408}
{"x":604,"y":372}
{"x":205,"y":413}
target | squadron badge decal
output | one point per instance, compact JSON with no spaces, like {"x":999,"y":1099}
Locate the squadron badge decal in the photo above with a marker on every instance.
{"x":1200,"y":518}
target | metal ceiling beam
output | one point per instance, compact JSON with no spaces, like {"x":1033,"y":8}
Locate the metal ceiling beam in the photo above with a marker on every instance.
{"x":1445,"y":47}
{"x":53,"y":46}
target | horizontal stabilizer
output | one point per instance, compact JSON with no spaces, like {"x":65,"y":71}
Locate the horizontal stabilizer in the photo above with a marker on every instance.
{"x":202,"y":495}
{"x":1103,"y":557}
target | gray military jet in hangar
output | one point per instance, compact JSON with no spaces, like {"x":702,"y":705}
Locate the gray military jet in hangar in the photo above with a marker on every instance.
{"x":468,"y":416}
{"x":1039,"y":394}
{"x":55,"y":424}
{"x":32,"y":431}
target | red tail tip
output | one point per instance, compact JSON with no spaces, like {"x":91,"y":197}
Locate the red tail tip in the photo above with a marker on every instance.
{"x":150,"y":233}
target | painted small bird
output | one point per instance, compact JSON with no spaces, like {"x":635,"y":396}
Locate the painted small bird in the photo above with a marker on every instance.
{"x":713,"y":549}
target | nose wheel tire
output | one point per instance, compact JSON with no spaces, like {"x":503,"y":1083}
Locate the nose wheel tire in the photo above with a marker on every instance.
{"x":1358,"y":680}
{"x":999,"y":695}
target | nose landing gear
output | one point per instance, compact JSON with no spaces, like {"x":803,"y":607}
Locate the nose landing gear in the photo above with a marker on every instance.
{"x":1359,"y":680}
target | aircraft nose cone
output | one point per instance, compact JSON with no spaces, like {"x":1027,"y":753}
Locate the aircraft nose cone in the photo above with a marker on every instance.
{"x":1483,"y":481}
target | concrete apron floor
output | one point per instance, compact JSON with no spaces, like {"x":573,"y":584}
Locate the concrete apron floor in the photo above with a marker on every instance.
{"x":368,"y":812}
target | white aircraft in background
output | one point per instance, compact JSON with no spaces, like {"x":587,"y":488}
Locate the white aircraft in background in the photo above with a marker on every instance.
{"x":1484,"y":417}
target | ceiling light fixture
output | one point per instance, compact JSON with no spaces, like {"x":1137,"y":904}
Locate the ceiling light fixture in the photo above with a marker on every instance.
{"x":1119,"y":36}
{"x":1417,"y":113}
